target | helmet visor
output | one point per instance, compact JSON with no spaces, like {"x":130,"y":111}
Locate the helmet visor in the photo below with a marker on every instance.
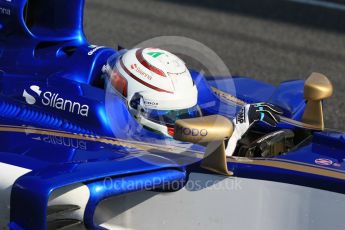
{"x":169,"y":117}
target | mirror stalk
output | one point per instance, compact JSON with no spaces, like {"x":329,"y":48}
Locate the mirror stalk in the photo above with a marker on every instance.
{"x":212,"y":132}
{"x":316,"y":88}
{"x":215,"y":159}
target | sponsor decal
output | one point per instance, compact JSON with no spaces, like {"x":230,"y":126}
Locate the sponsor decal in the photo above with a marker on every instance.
{"x":151,"y":103}
{"x":64,"y":141}
{"x":5,"y":11}
{"x":140,"y":80}
{"x":54,"y":100}
{"x":30,"y":99}
{"x":192,"y":132}
{"x":155,"y":54}
{"x":241,"y":117}
{"x":94,"y":49}
{"x":137,"y":69}
{"x":323,"y":161}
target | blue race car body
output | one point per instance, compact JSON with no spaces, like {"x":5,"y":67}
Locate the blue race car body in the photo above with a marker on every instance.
{"x":58,"y":128}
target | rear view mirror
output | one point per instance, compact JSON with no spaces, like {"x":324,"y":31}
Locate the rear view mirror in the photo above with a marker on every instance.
{"x":211,"y":131}
{"x":203,"y":129}
{"x":316,"y":88}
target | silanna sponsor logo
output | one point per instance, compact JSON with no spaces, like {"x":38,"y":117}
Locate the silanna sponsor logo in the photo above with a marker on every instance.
{"x":62,"y":141}
{"x":54,"y":100}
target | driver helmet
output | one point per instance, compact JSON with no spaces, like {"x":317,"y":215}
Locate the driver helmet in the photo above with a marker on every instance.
{"x":157,"y":87}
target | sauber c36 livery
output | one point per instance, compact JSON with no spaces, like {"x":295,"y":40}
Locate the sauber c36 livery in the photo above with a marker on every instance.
{"x":72,"y":156}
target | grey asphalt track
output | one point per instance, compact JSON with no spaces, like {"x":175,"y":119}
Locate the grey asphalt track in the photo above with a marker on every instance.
{"x":270,"y":40}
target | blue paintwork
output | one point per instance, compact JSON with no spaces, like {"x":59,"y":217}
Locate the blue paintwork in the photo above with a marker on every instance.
{"x":289,"y":97}
{"x":100,"y":191}
{"x":247,"y":89}
{"x":55,"y":56}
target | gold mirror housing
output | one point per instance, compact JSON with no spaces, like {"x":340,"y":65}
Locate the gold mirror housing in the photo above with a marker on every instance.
{"x":203,"y":129}
{"x":212,"y":131}
{"x":316,"y":88}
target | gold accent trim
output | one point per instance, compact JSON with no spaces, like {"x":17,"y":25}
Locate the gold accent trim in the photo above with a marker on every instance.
{"x":212,"y":130}
{"x":105,"y":140}
{"x":300,"y":124}
{"x":203,"y":129}
{"x":215,"y":159}
{"x":306,"y":164}
{"x":316,"y":88}
{"x":313,"y":114}
{"x":291,"y":166}
{"x":286,"y":120}
{"x":278,"y":163}
{"x":228,"y":97}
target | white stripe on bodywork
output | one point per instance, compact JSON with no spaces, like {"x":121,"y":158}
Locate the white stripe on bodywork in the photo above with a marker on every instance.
{"x":9,"y":174}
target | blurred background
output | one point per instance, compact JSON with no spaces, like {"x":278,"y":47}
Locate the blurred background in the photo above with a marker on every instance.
{"x":269,"y":40}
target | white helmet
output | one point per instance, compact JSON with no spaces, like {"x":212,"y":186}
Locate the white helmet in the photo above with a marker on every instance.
{"x":157,"y":86}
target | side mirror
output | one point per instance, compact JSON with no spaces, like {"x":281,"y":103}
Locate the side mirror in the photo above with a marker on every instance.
{"x":316,"y":88}
{"x":211,"y":131}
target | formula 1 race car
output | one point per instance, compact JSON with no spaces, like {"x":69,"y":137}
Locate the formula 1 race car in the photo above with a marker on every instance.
{"x":73,"y":157}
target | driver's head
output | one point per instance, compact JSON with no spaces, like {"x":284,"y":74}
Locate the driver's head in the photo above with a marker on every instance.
{"x":157,"y":86}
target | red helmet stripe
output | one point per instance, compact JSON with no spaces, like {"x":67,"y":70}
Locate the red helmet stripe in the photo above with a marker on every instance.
{"x":141,"y":59}
{"x":119,"y":83}
{"x":141,"y":81}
